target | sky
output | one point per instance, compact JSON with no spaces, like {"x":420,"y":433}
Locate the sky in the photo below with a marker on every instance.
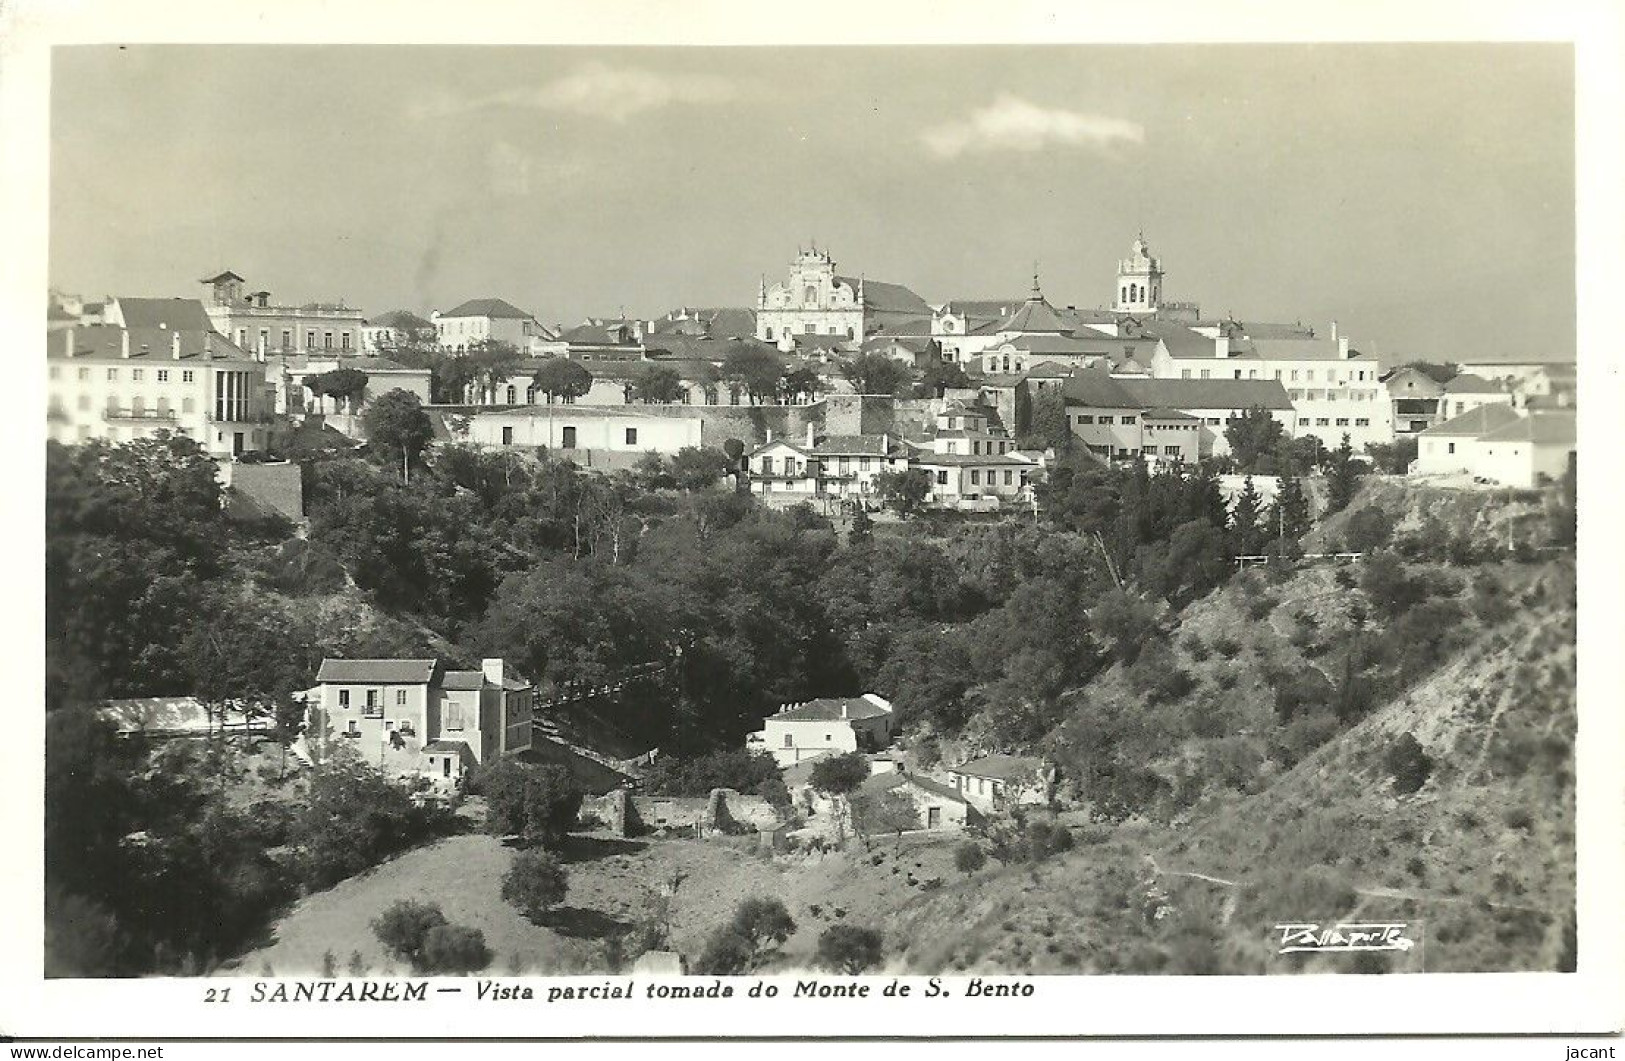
{"x":1420,"y":195}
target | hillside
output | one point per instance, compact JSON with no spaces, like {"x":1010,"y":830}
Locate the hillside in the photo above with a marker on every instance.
{"x":1479,"y":860}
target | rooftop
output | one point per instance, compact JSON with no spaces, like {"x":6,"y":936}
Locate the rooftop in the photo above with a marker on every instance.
{"x":1553,"y":428}
{"x":1474,"y":422}
{"x":1002,"y":767}
{"x":1207,"y":393}
{"x":172,"y":314}
{"x":826,"y":709}
{"x":376,"y":671}
{"x":488,"y":307}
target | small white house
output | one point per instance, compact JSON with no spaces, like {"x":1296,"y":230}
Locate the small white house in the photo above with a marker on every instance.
{"x":824,"y":726}
{"x":996,"y":781}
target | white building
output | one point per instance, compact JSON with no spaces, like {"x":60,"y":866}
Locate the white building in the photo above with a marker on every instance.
{"x":1495,"y":443}
{"x":256,"y":324}
{"x":843,"y":466}
{"x":482,"y":320}
{"x":825,"y":726}
{"x":121,"y":384}
{"x":398,"y":327}
{"x":1467,"y":392}
{"x":573,"y":427}
{"x":813,"y":300}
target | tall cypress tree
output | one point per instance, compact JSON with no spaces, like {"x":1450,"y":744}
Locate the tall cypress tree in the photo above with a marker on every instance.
{"x":1292,"y":521}
{"x":1245,"y":534}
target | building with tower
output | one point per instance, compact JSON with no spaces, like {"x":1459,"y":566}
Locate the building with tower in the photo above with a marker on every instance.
{"x":256,"y":324}
{"x":1139,"y":281}
{"x":813,"y":300}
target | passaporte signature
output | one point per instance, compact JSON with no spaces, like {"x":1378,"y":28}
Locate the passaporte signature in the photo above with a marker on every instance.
{"x":1343,"y":936}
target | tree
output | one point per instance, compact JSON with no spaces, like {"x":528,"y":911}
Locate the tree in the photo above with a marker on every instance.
{"x":538,"y":803}
{"x":398,"y":428}
{"x":1048,"y":426}
{"x":535,"y":883}
{"x":862,"y":531}
{"x":404,"y":927}
{"x":1407,"y":764}
{"x":340,"y":384}
{"x":940,"y":378}
{"x":1292,"y":517}
{"x":850,"y":949}
{"x":561,"y":380}
{"x":969,"y":857}
{"x":657,"y":384}
{"x":762,"y":921}
{"x":494,"y":363}
{"x":756,"y":369}
{"x":1253,"y":437}
{"x":1393,"y":458}
{"x":1246,"y":536}
{"x":889,"y":812}
{"x":726,"y":953}
{"x":839,"y":774}
{"x":876,"y":374}
{"x":1342,"y":477}
{"x":903,"y":491}
{"x":455,"y":950}
{"x":696,"y":468}
{"x":801,"y":382}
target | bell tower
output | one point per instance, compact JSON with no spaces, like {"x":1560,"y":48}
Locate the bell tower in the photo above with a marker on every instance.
{"x":1139,"y":281}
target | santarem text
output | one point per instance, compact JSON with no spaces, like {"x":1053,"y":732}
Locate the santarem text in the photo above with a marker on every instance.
{"x":617,"y":990}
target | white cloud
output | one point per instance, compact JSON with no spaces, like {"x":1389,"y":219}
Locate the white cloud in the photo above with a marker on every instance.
{"x":1013,"y":124}
{"x":596,"y":90}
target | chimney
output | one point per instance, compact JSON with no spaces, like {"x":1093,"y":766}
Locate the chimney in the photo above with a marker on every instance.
{"x":1343,"y":346}
{"x":1334,"y":329}
{"x":492,"y":669}
{"x":124,"y":342}
{"x":844,"y":711}
{"x":175,"y":346}
{"x":1221,"y":347}
{"x":885,"y":445}
{"x":811,"y":429}
{"x":67,"y":342}
{"x":770,"y":434}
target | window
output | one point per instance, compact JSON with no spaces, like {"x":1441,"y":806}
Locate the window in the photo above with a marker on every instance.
{"x":513,"y":394}
{"x":1303,"y":421}
{"x":56,"y":371}
{"x":1321,"y":421}
{"x":1184,"y":373}
{"x":1252,"y":373}
{"x":344,"y":341}
{"x":163,"y":375}
{"x":187,"y":375}
{"x":507,"y":436}
{"x":1009,"y":477}
{"x":1362,"y":421}
{"x":975,"y":448}
{"x":1213,"y":421}
{"x":400,"y":697}
{"x":767,"y":465}
{"x":242,"y":337}
{"x":789,"y":741}
{"x":1342,"y":421}
{"x":374,"y":708}
{"x":84,"y":374}
{"x":809,"y":329}
{"x":1206,"y":374}
{"x":767,"y":333}
{"x":1452,"y":447}
{"x":975,"y":477}
{"x":1309,"y":374}
{"x":112,"y":374}
{"x":863,"y":464}
{"x":1238,"y":373}
{"x":1277,"y":373}
{"x":327,"y":340}
{"x":138,"y":374}
{"x":1106,"y":420}
{"x":344,"y":698}
{"x":1085,"y":418}
{"x":631,"y":436}
{"x":1128,"y":419}
{"x":287,"y":339}
{"x":568,"y":439}
{"x":452,"y":716}
{"x":942,"y":478}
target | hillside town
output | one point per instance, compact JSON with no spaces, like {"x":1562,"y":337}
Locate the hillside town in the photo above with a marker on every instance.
{"x":822,"y":576}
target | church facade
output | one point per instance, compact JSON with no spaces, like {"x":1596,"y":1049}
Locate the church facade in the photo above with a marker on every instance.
{"x":814,"y":301}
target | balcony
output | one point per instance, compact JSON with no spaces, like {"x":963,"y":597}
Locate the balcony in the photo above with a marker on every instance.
{"x":140,"y":415}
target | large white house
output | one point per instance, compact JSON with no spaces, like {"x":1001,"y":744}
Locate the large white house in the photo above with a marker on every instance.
{"x":826,"y":726}
{"x":1494,"y":442}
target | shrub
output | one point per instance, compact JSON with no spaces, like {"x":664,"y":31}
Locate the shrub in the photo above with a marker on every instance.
{"x":726,"y":953}
{"x":535,"y":883}
{"x":1368,"y":529}
{"x":1227,"y":646}
{"x":839,"y":774}
{"x":536,"y":803}
{"x":1197,"y":648}
{"x":762,"y":921}
{"x":1260,"y":607}
{"x":1408,"y":764}
{"x":455,"y":950}
{"x":354,"y":818}
{"x":850,"y":949}
{"x":968,"y":857}
{"x":749,"y":773}
{"x":404,"y":926}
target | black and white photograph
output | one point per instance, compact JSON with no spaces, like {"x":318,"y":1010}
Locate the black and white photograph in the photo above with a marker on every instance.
{"x":537,"y":516}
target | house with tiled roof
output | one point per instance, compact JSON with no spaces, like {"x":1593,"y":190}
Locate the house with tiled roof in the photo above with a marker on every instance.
{"x":254,"y":322}
{"x":1415,"y":396}
{"x":828,"y":725}
{"x":814,"y":300}
{"x":118,"y":384}
{"x":417,"y":717}
{"x":997,"y":782}
{"x":398,"y":327}
{"x":482,"y":320}
{"x":823,"y":465}
{"x":1495,"y":443}
{"x":1468,"y":391}
{"x":936,"y":806}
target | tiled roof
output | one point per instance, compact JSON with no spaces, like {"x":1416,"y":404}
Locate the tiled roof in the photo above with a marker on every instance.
{"x":984,"y":308}
{"x":1098,"y":390}
{"x":402,"y":319}
{"x":1467,"y":383}
{"x":829,"y":710}
{"x":105,"y":342}
{"x":463,"y":680}
{"x":488,"y":307}
{"x":1058,"y":345}
{"x":1207,"y":393}
{"x":1548,"y":428}
{"x":1002,"y":767}
{"x":892,"y":298}
{"x":1299,"y":349}
{"x":1185,"y":343}
{"x":1036,"y":315}
{"x":1167,"y":414}
{"x":888,"y":780}
{"x":171,"y":314}
{"x":1475,"y":422}
{"x":219,"y":277}
{"x":861,"y":445}
{"x":959,"y":460}
{"x":600,"y":335}
{"x":376,"y":671}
